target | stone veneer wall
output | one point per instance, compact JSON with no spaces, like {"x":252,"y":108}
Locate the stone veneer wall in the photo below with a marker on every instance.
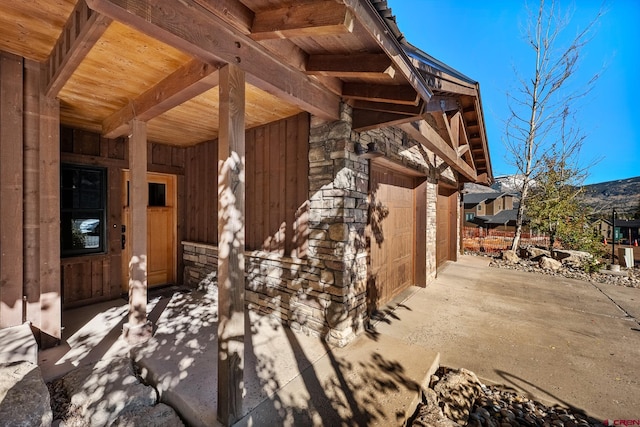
{"x":325,"y":293}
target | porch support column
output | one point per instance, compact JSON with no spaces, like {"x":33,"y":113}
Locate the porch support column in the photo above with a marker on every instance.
{"x":231,"y":245}
{"x":138,"y":329}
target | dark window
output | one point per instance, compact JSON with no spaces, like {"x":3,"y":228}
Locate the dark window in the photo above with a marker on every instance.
{"x":157,"y":194}
{"x":82,"y":210}
{"x":468,"y":216}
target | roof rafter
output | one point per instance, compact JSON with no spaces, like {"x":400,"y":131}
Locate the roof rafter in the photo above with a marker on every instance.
{"x":301,"y":20}
{"x":193,"y":29}
{"x":357,"y":65}
{"x":373,"y":23}
{"x":393,"y":94}
{"x":183,"y":84}
{"x":408,"y":110}
{"x":422,"y":132}
{"x":81,"y":31}
{"x":364,"y":120}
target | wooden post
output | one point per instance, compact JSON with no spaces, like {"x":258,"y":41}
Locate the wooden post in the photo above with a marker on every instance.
{"x":11,"y":190}
{"x":50,"y":281}
{"x":138,"y":329}
{"x":231,"y":215}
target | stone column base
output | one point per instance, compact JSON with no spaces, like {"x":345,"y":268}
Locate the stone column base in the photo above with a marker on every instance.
{"x":137,"y":334}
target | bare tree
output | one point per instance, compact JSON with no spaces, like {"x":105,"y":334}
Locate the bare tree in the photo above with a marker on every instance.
{"x":540,"y":105}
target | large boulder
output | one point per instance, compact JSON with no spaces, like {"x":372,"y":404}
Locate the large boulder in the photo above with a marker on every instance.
{"x":534,"y":253}
{"x":24,"y":397}
{"x":160,"y":415}
{"x":457,"y":392}
{"x":572,"y":258}
{"x":510,"y":256}
{"x":103,"y":392}
{"x":549,"y":264}
{"x":430,"y":414}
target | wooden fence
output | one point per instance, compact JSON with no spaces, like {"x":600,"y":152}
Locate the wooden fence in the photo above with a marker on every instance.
{"x":491,"y":241}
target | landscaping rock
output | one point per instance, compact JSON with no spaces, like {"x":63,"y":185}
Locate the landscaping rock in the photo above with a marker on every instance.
{"x":160,"y":415}
{"x":573,"y":258}
{"x":535,"y":253}
{"x":24,"y":397}
{"x":511,"y":257}
{"x":493,"y":406}
{"x":429,"y":413}
{"x":457,"y":391}
{"x":549,"y":264}
{"x":101,"y":393}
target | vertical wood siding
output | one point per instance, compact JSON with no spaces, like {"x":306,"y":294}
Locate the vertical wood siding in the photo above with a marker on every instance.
{"x":276,"y":182}
{"x":11,"y":190}
{"x":278,"y":186}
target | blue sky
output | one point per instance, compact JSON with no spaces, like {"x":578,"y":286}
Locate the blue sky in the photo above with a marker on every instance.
{"x":484,"y":40}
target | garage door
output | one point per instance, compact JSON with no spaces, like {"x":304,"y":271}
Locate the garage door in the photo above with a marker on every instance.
{"x":392,"y":232}
{"x":446,"y":223}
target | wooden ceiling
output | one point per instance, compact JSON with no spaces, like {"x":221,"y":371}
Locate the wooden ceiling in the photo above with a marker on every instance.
{"x":110,"y":61}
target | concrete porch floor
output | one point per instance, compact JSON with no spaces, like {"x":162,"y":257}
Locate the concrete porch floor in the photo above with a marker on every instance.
{"x":561,"y":341}
{"x":290,"y":378}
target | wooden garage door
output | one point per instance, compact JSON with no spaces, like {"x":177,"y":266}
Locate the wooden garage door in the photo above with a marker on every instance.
{"x":446,"y":224}
{"x":392,"y":232}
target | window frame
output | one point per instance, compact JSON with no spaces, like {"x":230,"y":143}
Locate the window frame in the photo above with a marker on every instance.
{"x":78,"y":213}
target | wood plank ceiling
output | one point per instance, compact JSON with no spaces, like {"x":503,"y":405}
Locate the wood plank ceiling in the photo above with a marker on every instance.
{"x":109,"y":61}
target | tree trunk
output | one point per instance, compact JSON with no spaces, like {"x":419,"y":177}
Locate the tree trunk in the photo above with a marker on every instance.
{"x":515,"y":244}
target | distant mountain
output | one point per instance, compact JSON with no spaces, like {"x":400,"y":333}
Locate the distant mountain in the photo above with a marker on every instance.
{"x":501,"y":184}
{"x":623,"y":194}
{"x":507,"y":183}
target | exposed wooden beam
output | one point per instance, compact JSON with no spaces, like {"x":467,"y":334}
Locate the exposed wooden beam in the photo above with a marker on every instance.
{"x":393,"y":94}
{"x":232,"y":12}
{"x":442,"y":103}
{"x":191,"y":28}
{"x":231,"y":244}
{"x":364,"y":120}
{"x":185,"y":83}
{"x":81,"y":31}
{"x":241,"y":18}
{"x":321,"y":18}
{"x":407,"y":110}
{"x":373,"y":23}
{"x":453,"y":128}
{"x":357,"y":65}
{"x":422,"y":132}
{"x":462,"y":150}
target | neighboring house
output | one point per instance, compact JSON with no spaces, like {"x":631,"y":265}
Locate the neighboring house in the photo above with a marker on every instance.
{"x":626,"y":231}
{"x":491,"y":210}
{"x":312,"y":168}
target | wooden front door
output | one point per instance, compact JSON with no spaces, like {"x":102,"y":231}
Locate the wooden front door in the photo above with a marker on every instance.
{"x":161,"y":230}
{"x":392,"y":235}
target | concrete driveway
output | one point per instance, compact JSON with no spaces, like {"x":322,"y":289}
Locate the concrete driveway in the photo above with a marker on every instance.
{"x":557,"y":340}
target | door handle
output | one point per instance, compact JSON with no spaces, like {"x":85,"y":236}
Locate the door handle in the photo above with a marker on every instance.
{"x":124,"y":241}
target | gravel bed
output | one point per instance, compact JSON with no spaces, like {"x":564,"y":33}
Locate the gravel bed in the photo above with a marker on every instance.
{"x":631,"y":280}
{"x":457,"y":398}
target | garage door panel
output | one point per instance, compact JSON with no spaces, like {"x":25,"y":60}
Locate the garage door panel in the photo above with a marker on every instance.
{"x":392,"y":261}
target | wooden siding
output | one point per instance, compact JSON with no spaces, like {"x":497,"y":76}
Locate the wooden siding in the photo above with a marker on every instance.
{"x":92,"y":278}
{"x":201,"y":193}
{"x":11,"y":190}
{"x":277,"y":187}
